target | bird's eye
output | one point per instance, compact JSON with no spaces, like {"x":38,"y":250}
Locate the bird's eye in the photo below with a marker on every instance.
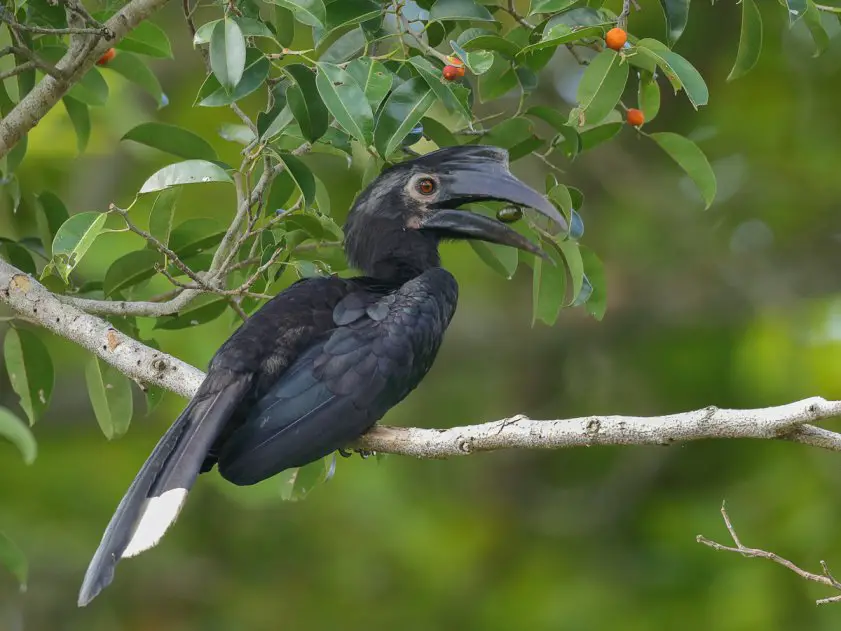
{"x":426,"y":186}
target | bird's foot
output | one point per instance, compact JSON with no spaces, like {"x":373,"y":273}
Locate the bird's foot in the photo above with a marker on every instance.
{"x":364,"y":453}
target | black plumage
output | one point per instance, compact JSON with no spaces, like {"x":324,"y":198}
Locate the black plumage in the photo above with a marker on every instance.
{"x":325,"y":359}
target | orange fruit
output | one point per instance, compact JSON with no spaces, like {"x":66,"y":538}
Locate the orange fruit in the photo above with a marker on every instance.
{"x":451,"y":73}
{"x":616,"y":38}
{"x":107,"y":56}
{"x":635,"y":117}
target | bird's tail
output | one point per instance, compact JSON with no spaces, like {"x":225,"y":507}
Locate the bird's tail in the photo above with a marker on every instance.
{"x":155,"y":497}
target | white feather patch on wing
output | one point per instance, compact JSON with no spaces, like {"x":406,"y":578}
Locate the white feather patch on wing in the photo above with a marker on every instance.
{"x":159,"y":513}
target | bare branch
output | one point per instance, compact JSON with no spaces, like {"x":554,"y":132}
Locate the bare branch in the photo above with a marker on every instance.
{"x":824,"y":578}
{"x":788,"y":422}
{"x":80,"y":57}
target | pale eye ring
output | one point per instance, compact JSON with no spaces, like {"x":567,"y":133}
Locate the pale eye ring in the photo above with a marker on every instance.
{"x":426,"y":186}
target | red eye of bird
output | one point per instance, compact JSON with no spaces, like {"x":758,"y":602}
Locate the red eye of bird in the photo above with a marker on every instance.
{"x":426,"y":186}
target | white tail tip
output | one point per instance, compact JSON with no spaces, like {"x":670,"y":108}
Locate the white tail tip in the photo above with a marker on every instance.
{"x":159,"y":513}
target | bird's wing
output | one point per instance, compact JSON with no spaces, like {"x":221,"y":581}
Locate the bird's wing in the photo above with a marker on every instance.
{"x":260,"y":350}
{"x":345,"y":382}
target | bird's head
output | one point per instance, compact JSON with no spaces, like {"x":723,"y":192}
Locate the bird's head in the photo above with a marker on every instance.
{"x":411,"y":207}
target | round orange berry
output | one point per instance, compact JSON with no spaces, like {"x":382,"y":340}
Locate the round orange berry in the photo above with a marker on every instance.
{"x":635,"y":117}
{"x":451,"y":73}
{"x":107,"y":56}
{"x":616,"y":38}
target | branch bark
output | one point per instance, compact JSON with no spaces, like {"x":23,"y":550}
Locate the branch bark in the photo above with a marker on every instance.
{"x":33,"y":301}
{"x":75,"y":63}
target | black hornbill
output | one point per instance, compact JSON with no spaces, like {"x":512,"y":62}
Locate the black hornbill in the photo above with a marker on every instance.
{"x":322,"y":361}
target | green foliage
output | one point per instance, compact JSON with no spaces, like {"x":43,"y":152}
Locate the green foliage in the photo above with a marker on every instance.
{"x":351,"y":81}
{"x":30,"y":371}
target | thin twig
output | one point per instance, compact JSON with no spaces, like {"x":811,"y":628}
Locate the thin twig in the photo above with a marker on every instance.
{"x":27,"y":65}
{"x":36,"y":61}
{"x":512,"y":11}
{"x":163,"y":249}
{"x":825,"y":578}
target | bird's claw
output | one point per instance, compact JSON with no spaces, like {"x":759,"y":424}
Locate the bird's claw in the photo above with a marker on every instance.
{"x":348,"y":453}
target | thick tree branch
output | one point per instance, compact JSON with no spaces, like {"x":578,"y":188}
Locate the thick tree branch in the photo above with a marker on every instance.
{"x":80,"y":57}
{"x":33,"y":301}
{"x":824,"y":578}
{"x":28,"y":297}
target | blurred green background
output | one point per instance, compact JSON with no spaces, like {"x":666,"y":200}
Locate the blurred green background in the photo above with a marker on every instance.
{"x":736,"y":306}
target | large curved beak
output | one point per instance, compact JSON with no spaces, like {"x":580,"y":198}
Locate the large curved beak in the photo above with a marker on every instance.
{"x":461,"y":224}
{"x":486,"y":181}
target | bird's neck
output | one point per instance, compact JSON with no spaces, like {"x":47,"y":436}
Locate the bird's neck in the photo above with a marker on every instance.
{"x":392,"y":252}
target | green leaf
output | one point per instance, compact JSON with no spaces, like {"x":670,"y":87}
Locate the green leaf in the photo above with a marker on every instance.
{"x":648,"y":97}
{"x":30,"y":371}
{"x":459,"y":10}
{"x":284,"y":23}
{"x":17,"y":153}
{"x":595,"y":136}
{"x":16,"y":432}
{"x":195,"y":236}
{"x":498,"y":81}
{"x":548,"y":291}
{"x":91,"y":89}
{"x":50,"y":214}
{"x":81,"y":120}
{"x":750,"y":40}
{"x":373,"y":77}
{"x":302,"y":176}
{"x":296,"y":484}
{"x":147,"y":39}
{"x":305,"y":102}
{"x":402,"y":110}
{"x":501,"y":259}
{"x":135,"y":70}
{"x":602,"y":85}
{"x":212,"y":94}
{"x":550,"y":6}
{"x":18,"y":256}
{"x":346,"y":101}
{"x":163,"y":214}
{"x":812,"y":18}
{"x":479,"y":39}
{"x":199,"y":312}
{"x":110,"y":394}
{"x":129,"y":270}
{"x":677,"y":14}
{"x":308,"y":223}
{"x":438,"y":133}
{"x":569,"y":26}
{"x":691,"y":159}
{"x":594,"y":270}
{"x":571,"y":144}
{"x":796,"y":9}
{"x":679,"y":72}
{"x":187,"y":172}
{"x":227,"y":53}
{"x":309,"y":12}
{"x":13,"y":557}
{"x":432,"y":76}
{"x":72,"y":241}
{"x":249,"y":27}
{"x":172,"y":139}
{"x":574,"y":264}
